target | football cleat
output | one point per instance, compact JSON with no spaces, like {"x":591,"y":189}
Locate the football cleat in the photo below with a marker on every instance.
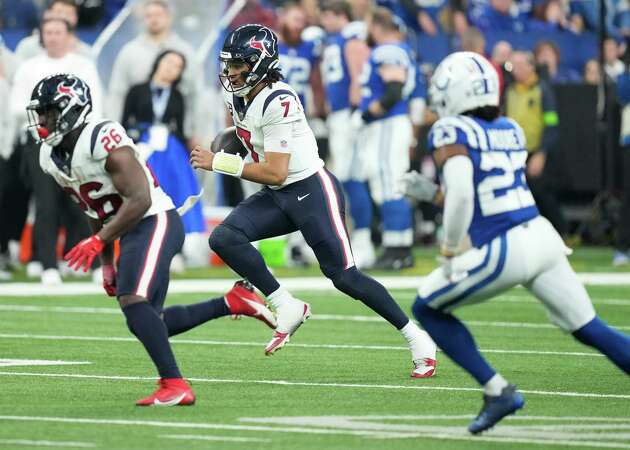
{"x":290,"y":317}
{"x":496,"y":408}
{"x":423,"y":368}
{"x":243,"y":301}
{"x":171,"y":392}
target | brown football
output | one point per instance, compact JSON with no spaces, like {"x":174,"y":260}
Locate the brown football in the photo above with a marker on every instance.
{"x":228,"y":141}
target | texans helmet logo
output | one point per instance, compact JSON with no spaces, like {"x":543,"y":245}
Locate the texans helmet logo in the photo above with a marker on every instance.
{"x":74,"y":90}
{"x":259,"y":44}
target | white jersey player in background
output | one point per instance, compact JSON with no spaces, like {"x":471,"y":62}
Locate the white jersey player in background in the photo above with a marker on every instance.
{"x":299,"y":193}
{"x":494,"y":238}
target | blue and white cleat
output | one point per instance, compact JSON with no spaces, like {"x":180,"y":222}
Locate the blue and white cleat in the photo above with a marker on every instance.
{"x":496,"y":408}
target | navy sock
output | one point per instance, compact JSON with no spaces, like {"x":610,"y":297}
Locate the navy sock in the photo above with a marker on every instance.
{"x":144,"y":322}
{"x":372,"y":293}
{"x":360,"y":203}
{"x":181,"y":318}
{"x":454,"y":339}
{"x":612,"y":343}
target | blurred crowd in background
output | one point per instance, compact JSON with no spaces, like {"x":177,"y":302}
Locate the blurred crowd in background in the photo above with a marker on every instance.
{"x":152,"y":65}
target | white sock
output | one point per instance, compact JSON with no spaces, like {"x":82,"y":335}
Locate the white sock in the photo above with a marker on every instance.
{"x":420,"y":343}
{"x":495,"y":385}
{"x":279,"y":297}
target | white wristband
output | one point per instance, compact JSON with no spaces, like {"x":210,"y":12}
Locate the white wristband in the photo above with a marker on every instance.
{"x":228,"y":164}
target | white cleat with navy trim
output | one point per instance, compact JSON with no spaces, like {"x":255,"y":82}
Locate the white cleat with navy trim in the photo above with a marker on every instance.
{"x":289,"y":318}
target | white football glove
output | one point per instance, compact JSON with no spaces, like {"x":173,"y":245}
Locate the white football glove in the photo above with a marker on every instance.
{"x":356,"y":120}
{"x":228,"y":164}
{"x":418,"y":186}
{"x":449,"y":270}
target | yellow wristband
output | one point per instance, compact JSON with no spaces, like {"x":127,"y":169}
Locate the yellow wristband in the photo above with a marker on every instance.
{"x":228,"y":164}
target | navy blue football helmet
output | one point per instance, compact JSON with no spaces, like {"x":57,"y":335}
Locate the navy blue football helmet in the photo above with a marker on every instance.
{"x":254,"y":45}
{"x":64,"y":101}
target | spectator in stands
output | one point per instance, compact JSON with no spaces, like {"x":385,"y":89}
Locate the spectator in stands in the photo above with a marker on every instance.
{"x":50,"y":201}
{"x":135,"y":59}
{"x":18,"y":14}
{"x":591,"y":72}
{"x":549,"y":16}
{"x":61,"y":9}
{"x":154,"y":115}
{"x":617,"y":16}
{"x":499,"y":15}
{"x":426,"y":13}
{"x":500,"y":57}
{"x":531,"y":102}
{"x":547,"y":55}
{"x":157,"y":100}
{"x":621,"y":254}
{"x":612,"y":64}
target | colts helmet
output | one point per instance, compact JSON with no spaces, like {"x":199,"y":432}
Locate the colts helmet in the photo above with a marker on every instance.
{"x":254,"y":45}
{"x":463,"y":81}
{"x":62,"y":98}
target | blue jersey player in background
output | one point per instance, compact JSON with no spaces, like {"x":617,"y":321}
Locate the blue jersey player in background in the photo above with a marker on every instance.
{"x":343,"y":56}
{"x":388,"y":80}
{"x":299,"y":58}
{"x":494,"y":238}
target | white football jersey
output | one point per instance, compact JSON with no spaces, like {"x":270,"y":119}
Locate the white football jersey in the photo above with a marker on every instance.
{"x":274,"y":121}
{"x":83,"y":176}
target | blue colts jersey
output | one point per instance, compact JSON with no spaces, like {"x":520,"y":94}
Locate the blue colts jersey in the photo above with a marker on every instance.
{"x":334,"y":67}
{"x":497,"y":150}
{"x":373,"y":86}
{"x":296,"y":64}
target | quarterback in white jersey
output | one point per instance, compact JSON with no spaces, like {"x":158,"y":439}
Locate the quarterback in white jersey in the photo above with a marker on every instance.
{"x":98,"y":165}
{"x":299,"y":193}
{"x":494,"y":238}
{"x":263,"y":122}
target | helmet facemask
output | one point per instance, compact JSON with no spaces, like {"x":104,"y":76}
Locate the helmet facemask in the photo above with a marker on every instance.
{"x":249,"y":78}
{"x":65,"y":113}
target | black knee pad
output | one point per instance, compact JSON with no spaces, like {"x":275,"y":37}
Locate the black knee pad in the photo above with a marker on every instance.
{"x":225,"y":236}
{"x":350,"y":282}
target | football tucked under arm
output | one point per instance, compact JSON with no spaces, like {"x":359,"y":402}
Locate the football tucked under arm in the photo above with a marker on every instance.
{"x":228,"y":141}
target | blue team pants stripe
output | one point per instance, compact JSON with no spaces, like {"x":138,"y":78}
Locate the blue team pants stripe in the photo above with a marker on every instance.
{"x":489,"y":279}
{"x":471,"y":272}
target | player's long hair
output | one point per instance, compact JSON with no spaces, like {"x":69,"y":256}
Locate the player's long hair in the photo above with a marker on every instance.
{"x":487,"y":113}
{"x":273,"y":76}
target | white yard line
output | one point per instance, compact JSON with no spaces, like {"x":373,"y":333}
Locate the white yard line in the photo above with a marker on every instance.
{"x":311,"y":384}
{"x":198,"y":437}
{"x":262,"y":344}
{"x":32,"y":443}
{"x":38,"y":362}
{"x":328,"y":317}
{"x":316,"y":283}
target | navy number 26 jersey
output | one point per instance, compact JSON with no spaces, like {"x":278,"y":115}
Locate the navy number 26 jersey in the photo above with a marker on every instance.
{"x":498,"y":153}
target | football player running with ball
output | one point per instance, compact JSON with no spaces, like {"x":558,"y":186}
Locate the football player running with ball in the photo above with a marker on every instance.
{"x":494,"y":238}
{"x":99,"y":166}
{"x":299,"y":193}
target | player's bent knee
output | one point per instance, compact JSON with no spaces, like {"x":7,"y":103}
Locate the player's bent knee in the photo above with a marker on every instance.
{"x":128,"y":300}
{"x":224,"y":237}
{"x":349,"y":281}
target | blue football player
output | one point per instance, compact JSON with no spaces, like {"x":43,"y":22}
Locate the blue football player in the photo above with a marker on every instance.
{"x":99,"y":167}
{"x":388,"y":80}
{"x":299,"y":194}
{"x":299,"y":57}
{"x":343,"y":56}
{"x":494,"y":237}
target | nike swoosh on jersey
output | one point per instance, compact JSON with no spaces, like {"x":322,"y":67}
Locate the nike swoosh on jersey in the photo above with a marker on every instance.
{"x":282,"y":97}
{"x":300,"y":198}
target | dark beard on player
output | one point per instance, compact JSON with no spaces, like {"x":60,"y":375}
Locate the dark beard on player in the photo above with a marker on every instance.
{"x":370,"y":41}
{"x":291,"y":38}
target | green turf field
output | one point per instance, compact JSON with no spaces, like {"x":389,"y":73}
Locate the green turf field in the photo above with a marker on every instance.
{"x":342,"y":383}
